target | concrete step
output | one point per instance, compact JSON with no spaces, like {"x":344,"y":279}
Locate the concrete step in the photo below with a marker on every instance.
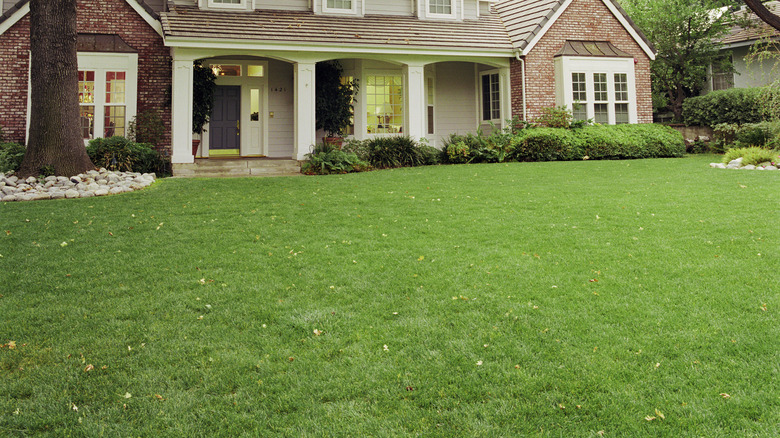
{"x":218,"y":168}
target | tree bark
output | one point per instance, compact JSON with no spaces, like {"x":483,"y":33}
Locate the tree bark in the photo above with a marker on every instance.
{"x":763,"y":13}
{"x":55,"y":136}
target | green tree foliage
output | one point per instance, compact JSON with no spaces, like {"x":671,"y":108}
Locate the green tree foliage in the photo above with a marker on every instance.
{"x":685,"y":34}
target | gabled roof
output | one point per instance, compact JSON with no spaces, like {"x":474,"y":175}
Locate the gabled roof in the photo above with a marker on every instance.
{"x":527,"y":21}
{"x":22,"y":8}
{"x":286,"y":28}
{"x":743,"y":36}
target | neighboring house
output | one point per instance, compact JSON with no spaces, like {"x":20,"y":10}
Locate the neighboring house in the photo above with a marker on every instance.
{"x":740,"y":44}
{"x":425,"y":68}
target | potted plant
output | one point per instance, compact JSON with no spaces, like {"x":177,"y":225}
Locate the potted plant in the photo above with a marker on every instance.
{"x":333,"y":97}
{"x":203,"y":88}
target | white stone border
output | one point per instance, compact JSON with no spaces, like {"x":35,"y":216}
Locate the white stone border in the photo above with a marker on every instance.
{"x":86,"y":185}
{"x":737,"y":164}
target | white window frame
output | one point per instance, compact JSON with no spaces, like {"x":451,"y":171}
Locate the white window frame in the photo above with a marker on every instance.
{"x":430,"y":104}
{"x":101,"y":63}
{"x":364,"y":99}
{"x":452,"y":15}
{"x":214,"y":4}
{"x":566,"y":65}
{"x":327,"y":10}
{"x":481,"y":115}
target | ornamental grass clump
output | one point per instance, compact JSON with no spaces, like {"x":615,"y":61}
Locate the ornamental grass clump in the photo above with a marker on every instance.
{"x":752,"y":155}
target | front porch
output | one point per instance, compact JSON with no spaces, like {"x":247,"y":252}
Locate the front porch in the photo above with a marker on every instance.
{"x":266,"y":104}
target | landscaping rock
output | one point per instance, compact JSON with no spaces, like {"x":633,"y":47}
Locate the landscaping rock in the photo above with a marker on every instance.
{"x":71,"y":194}
{"x":9,"y":198}
{"x":748,"y":167}
{"x":718,"y":165}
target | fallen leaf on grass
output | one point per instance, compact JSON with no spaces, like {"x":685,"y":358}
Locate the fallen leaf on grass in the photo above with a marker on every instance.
{"x":11,"y":345}
{"x":724,"y":395}
{"x":89,"y":368}
{"x":128,"y":395}
{"x":649,"y":418}
{"x":660,"y":415}
{"x":317,"y":332}
{"x":158,"y":397}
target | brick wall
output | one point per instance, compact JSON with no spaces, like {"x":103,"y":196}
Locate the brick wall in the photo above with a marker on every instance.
{"x":94,"y":16}
{"x":583,"y":20}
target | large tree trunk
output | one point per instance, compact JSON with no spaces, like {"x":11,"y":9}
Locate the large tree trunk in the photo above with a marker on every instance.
{"x":763,"y":13}
{"x":55,"y":138}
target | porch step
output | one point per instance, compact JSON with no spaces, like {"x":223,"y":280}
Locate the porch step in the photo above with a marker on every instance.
{"x":238,"y":167}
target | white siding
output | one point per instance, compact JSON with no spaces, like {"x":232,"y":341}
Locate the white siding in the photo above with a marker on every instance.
{"x":455,"y":111}
{"x":390,"y":7}
{"x":470,"y":9}
{"x":287,"y":5}
{"x":754,"y":73}
{"x":281,"y":91}
{"x":484,"y":8}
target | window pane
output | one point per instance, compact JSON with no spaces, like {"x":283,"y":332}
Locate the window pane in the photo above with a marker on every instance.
{"x":600,"y":87}
{"x":228,"y":2}
{"x":114,"y":121}
{"x":226,"y":70}
{"x":621,"y":87}
{"x":601,"y":113}
{"x":491,"y":97}
{"x":115,"y":87}
{"x":86,"y":87}
{"x":429,"y":101}
{"x":385,"y":94}
{"x":255,"y":71}
{"x":580,"y":111}
{"x":340,"y":4}
{"x":621,"y":113}
{"x":87,"y":113}
{"x":440,"y":6}
{"x":579,"y":93}
{"x":254,"y":105}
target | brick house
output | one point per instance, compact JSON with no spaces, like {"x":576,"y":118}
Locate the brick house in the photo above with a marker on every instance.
{"x":425,"y":68}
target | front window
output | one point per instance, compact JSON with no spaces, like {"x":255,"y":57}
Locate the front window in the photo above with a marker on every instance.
{"x":491,"y":97}
{"x":579,"y":96}
{"x":600,"y":98}
{"x":385,"y":100}
{"x":722,"y":77}
{"x":429,"y":100}
{"x":87,"y":103}
{"x":114,"y":111}
{"x":621,"y":98}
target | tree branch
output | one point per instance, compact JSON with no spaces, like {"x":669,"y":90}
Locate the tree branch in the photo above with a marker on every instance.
{"x":763,"y":13}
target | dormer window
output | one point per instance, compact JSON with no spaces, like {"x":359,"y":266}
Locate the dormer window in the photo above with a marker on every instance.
{"x":440,"y":9}
{"x":339,"y":6}
{"x":234,"y":4}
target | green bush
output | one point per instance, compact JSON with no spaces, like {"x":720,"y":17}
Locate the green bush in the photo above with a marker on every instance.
{"x":479,"y":148}
{"x":147,"y":127}
{"x":327,"y":159}
{"x":752,"y":155}
{"x":735,"y":105}
{"x":729,"y":135}
{"x":2,"y":135}
{"x":120,"y":154}
{"x":431,"y":156}
{"x":357,"y":147}
{"x":397,"y":151}
{"x":547,"y":144}
{"x":11,"y":155}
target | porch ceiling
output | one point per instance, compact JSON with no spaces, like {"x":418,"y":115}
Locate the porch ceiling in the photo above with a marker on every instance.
{"x":306,"y":28}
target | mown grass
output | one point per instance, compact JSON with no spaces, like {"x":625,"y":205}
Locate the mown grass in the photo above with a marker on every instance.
{"x":591,"y":293}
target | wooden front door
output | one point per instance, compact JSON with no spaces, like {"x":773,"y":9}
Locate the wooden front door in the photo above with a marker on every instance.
{"x":224,"y":125}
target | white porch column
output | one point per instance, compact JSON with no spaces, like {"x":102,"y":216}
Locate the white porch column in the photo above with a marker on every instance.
{"x":305,"y":134}
{"x":415,"y":95}
{"x":505,"y":85}
{"x":181,"y":110}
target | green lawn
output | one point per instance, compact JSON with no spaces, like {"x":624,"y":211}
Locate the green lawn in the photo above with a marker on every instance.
{"x":538,"y":299}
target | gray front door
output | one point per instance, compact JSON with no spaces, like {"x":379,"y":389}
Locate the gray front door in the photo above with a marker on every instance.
{"x":224,"y":126}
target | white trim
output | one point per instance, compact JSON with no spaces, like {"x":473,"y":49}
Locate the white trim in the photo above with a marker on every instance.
{"x":566,"y":65}
{"x":615,"y":12}
{"x":150,"y":20}
{"x":481,"y":94}
{"x":339,"y":11}
{"x":453,"y":15}
{"x":25,"y":9}
{"x":14,"y":18}
{"x":312,"y":47}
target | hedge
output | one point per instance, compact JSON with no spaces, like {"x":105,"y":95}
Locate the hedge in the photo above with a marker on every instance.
{"x":735,"y":105}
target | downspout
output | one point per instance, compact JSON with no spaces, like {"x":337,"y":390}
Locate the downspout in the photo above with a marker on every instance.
{"x":522,"y":65}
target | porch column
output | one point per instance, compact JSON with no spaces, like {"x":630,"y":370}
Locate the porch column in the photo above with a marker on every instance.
{"x":305,"y":134}
{"x":505,"y":85}
{"x":415,"y":101}
{"x":181,"y":110}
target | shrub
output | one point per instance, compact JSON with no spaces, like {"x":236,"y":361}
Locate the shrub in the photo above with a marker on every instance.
{"x":357,"y":147}
{"x":2,"y":135}
{"x":735,"y":105}
{"x":752,"y":155}
{"x":11,"y":155}
{"x":478,"y":148}
{"x":555,"y":117}
{"x":390,"y":152}
{"x":327,"y":159}
{"x":729,"y":135}
{"x":547,"y":144}
{"x":147,"y":127}
{"x":119,"y":153}
{"x":431,"y":156}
